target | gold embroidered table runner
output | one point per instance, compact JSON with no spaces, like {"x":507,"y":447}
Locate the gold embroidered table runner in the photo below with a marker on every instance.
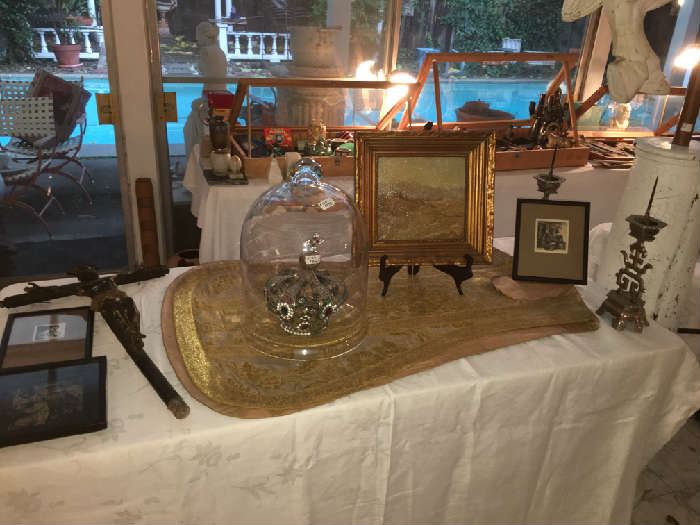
{"x":421,"y":323}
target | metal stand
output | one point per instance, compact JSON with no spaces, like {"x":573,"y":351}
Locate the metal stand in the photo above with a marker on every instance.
{"x":458,"y":273}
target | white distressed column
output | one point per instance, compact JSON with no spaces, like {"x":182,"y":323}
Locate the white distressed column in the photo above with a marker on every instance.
{"x":227,"y":14}
{"x":237,"y":45}
{"x":92,"y":12}
{"x":125,"y":25}
{"x":42,"y":42}
{"x":339,"y":14}
{"x":674,"y":251}
{"x":86,"y":42}
{"x":217,"y":10}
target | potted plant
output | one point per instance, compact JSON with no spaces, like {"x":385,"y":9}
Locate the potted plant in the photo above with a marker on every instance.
{"x":64,"y":16}
{"x":67,"y":54}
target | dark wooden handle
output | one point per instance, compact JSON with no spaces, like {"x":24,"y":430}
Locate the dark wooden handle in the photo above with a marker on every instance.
{"x":148,"y":224}
{"x":689,"y":113}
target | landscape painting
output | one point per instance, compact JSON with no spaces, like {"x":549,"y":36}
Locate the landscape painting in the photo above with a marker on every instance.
{"x":421,"y":198}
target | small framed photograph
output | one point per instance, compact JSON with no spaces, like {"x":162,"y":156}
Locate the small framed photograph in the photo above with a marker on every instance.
{"x":49,"y":336}
{"x":50,"y":401}
{"x":551,"y":241}
{"x":427,"y":196}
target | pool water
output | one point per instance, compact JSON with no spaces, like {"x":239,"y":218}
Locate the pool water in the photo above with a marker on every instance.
{"x":512,"y":96}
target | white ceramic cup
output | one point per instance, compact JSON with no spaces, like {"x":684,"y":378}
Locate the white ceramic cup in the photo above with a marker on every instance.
{"x":234,"y":166}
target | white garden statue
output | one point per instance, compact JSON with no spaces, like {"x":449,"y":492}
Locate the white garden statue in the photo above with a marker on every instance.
{"x":212,"y":59}
{"x":636,"y":68}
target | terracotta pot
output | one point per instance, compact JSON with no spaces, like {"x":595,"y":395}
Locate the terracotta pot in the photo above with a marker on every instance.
{"x":68,"y":55}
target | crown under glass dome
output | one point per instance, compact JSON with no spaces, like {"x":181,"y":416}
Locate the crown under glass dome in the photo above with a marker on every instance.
{"x":304,"y":268}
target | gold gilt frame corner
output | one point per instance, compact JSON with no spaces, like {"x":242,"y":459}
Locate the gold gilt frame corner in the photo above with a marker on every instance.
{"x":478,"y":148}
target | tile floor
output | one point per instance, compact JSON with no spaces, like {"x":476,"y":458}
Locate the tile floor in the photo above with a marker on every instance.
{"x":668,"y":491}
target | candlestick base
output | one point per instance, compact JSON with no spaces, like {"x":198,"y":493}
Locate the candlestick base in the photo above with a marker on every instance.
{"x":624,"y":310}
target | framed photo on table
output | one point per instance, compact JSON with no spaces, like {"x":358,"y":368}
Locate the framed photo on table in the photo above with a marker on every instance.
{"x":427,"y":196}
{"x":49,"y":401}
{"x":551,"y":241}
{"x":49,"y":336}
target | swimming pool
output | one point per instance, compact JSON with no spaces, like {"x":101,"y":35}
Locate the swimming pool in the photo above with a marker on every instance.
{"x":506,"y":95}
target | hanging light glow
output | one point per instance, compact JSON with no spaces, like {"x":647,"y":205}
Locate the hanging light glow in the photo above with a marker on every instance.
{"x":688,"y":58}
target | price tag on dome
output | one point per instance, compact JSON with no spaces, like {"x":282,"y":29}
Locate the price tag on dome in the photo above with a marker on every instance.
{"x":326,"y":203}
{"x":312,"y":259}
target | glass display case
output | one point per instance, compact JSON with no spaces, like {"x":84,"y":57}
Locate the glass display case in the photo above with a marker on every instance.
{"x":304,"y":269}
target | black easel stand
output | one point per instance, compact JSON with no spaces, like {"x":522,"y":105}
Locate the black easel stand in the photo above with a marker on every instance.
{"x":458,"y":273}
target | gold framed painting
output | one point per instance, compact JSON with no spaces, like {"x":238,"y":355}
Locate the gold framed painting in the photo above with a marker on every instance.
{"x":427,"y":196}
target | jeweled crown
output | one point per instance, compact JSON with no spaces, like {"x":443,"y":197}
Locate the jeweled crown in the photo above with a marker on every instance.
{"x":305,"y":297}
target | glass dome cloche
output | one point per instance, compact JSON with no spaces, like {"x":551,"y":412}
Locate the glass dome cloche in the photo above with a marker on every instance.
{"x":304,"y":269}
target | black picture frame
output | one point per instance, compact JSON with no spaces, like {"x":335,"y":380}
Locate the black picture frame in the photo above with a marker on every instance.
{"x":47,"y":336}
{"x":51,"y":401}
{"x":551,"y":241}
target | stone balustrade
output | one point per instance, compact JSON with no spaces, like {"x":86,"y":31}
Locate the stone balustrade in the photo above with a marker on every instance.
{"x":90,"y":38}
{"x":253,"y":45}
{"x":238,"y":45}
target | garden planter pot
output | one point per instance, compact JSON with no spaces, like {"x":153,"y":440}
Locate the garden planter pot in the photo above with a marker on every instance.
{"x":68,"y":55}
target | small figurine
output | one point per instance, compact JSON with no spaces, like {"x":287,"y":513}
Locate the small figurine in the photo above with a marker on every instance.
{"x":621,"y":116}
{"x":317,"y":143}
{"x":212,"y":60}
{"x":548,"y":118}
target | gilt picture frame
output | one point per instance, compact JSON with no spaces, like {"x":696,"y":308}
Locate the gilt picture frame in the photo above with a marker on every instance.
{"x":427,"y":196}
{"x":551,"y":241}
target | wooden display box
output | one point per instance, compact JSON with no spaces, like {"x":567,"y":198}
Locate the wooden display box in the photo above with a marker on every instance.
{"x":258,"y":167}
{"x":541,"y":159}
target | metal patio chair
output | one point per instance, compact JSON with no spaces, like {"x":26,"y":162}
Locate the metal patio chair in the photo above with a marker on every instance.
{"x":31,"y":118}
{"x":57,"y":154}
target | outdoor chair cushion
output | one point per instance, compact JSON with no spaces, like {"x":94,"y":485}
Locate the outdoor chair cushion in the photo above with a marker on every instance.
{"x":69,"y":100}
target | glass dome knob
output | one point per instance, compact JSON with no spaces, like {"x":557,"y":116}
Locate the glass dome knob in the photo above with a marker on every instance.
{"x":306,"y":171}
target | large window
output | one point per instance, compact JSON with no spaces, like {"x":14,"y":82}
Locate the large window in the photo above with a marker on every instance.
{"x":469,"y":26}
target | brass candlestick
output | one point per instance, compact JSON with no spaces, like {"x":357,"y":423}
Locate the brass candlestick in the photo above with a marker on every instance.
{"x":549,"y":183}
{"x":626,"y":304}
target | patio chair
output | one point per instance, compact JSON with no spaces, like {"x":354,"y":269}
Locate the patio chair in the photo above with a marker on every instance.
{"x":31,"y":118}
{"x":57,"y":154}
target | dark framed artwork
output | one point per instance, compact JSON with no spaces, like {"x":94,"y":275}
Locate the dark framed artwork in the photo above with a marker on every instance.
{"x":551,"y":241}
{"x":50,"y":401}
{"x":427,"y":196}
{"x":49,"y":336}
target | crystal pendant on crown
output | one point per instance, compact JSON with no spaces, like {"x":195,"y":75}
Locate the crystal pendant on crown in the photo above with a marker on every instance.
{"x":304,"y":269}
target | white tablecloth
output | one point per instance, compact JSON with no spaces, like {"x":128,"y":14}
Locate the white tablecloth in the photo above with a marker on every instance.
{"x":551,"y":431}
{"x":220,"y":210}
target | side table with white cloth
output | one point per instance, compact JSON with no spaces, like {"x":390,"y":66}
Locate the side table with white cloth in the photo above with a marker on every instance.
{"x":220,"y":210}
{"x":555,"y":430}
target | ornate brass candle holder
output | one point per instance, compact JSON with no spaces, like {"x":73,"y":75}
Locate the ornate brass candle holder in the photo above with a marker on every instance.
{"x":549,"y":183}
{"x":626,"y":304}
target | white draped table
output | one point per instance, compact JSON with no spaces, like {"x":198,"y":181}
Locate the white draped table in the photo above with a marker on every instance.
{"x":550,"y":431}
{"x":220,"y":210}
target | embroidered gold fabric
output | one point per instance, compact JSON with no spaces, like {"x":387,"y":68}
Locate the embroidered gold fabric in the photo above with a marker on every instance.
{"x":421,"y":323}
